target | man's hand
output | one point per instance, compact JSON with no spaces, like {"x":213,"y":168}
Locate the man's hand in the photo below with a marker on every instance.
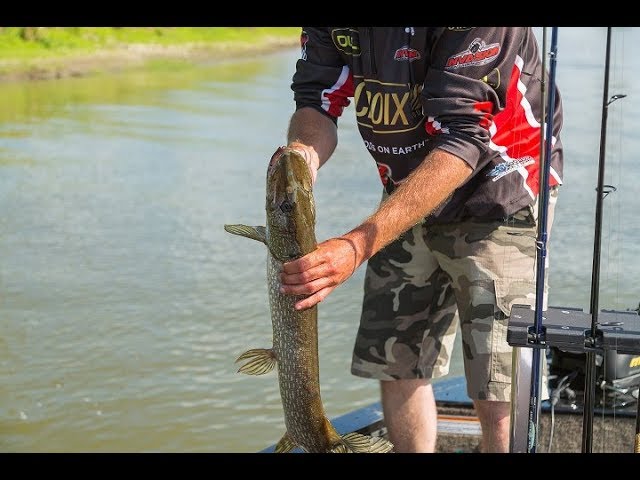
{"x":310,"y":155}
{"x":318,"y":273}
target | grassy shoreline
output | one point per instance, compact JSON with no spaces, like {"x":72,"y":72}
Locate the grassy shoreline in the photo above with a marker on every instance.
{"x":39,"y":53}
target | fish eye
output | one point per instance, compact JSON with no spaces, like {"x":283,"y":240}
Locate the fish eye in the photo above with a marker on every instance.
{"x":286,"y":206}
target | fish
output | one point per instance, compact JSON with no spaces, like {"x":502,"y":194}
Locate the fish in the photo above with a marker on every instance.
{"x":289,"y":233}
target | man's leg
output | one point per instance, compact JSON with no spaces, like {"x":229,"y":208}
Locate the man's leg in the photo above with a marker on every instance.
{"x":493,"y":267}
{"x":410,"y":415}
{"x":495,"y":420}
{"x":495,"y":416}
{"x":406,"y":337}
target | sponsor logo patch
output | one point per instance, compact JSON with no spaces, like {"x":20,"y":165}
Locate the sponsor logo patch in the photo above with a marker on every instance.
{"x":478,"y":53}
{"x":504,"y":168}
{"x":405,"y":53}
{"x":387,"y":107}
{"x":347,"y":40}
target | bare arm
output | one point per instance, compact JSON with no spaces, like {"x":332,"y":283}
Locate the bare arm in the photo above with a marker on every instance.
{"x":422,"y":192}
{"x":314,"y":135}
{"x":318,"y":273}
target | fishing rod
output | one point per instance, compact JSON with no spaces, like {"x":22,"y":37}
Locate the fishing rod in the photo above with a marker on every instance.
{"x":591,"y":339}
{"x":536,"y":335}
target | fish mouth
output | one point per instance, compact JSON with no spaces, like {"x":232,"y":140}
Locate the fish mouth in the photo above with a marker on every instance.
{"x":288,"y":180}
{"x":275,"y":158}
{"x":292,"y":161}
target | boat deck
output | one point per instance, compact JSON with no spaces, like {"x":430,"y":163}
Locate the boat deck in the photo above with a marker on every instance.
{"x":459,"y":428}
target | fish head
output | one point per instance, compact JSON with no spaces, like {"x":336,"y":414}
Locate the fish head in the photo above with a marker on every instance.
{"x":290,"y":205}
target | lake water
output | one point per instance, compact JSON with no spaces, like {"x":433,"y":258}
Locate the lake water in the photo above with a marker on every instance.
{"x":124,"y":303}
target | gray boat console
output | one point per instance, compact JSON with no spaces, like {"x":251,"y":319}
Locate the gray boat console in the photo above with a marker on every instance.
{"x":570,"y":330}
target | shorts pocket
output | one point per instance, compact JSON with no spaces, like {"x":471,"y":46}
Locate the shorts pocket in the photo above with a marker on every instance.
{"x":512,"y":291}
{"x":508,"y":293}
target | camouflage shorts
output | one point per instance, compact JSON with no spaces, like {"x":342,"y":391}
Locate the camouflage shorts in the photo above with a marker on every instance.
{"x":421,"y":288}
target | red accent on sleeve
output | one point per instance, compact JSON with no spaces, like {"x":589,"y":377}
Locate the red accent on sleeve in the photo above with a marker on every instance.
{"x":514,"y":130}
{"x":339,"y":98}
{"x":486,"y":107}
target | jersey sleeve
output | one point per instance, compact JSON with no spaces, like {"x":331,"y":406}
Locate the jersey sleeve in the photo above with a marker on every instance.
{"x":322,"y":79}
{"x":467,"y":85}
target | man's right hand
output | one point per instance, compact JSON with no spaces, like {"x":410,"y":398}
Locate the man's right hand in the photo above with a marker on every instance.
{"x":310,"y":155}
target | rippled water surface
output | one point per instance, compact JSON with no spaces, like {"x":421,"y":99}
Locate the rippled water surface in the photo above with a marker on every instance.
{"x":123,"y":303}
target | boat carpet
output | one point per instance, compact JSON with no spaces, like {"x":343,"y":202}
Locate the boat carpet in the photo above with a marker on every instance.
{"x":459,"y":431}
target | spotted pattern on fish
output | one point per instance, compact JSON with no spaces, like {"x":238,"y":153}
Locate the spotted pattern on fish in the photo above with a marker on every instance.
{"x":290,"y":233}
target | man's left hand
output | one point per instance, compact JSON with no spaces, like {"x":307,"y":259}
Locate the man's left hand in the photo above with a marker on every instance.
{"x":319,"y":272}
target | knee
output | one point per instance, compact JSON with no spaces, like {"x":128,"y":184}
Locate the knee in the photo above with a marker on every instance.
{"x":406,"y":387}
{"x":492,"y":411}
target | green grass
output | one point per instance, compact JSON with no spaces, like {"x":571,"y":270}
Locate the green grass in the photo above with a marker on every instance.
{"x":29,"y":43}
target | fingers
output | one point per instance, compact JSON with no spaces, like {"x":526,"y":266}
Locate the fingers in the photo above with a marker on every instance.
{"x":318,"y":273}
{"x":305,"y":276}
{"x":310,"y":155}
{"x":312,"y":283}
{"x":301,"y":267}
{"x":305,"y":288}
{"x":314,"y":299}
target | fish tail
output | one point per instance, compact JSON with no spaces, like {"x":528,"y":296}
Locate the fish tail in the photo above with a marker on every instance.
{"x":285,"y":445}
{"x":358,"y":443}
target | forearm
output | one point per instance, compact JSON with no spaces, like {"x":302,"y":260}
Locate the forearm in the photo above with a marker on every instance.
{"x":422,"y":192}
{"x":313,"y":129}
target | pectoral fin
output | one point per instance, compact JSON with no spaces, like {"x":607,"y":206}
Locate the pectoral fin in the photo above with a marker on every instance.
{"x":261,"y":361}
{"x":256,"y":233}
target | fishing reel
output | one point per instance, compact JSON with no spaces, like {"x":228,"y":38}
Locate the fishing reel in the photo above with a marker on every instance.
{"x":617,"y":378}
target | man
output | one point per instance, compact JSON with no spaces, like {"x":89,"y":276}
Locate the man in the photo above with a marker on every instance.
{"x":452,"y":118}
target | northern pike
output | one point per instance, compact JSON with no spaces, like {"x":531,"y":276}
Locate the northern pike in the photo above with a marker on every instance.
{"x":290,"y":233}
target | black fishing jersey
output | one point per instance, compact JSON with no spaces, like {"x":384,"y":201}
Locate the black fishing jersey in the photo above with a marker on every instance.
{"x":475,"y":92}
